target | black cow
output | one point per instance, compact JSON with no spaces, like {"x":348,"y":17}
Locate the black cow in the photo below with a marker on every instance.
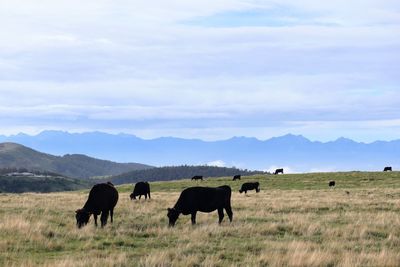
{"x":250,"y":186}
{"x":236,"y":177}
{"x":102,"y":199}
{"x":197,"y":177}
{"x":278,"y":171}
{"x":387,"y":169}
{"x":332,"y":183}
{"x":141,"y":189}
{"x":203,"y":199}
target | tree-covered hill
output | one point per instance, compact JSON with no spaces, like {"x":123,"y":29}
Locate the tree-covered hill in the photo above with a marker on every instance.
{"x":177,"y":173}
{"x":40,"y":184}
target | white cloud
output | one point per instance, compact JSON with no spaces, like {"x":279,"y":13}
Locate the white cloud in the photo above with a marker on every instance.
{"x":217,"y":163}
{"x":139,"y":67}
{"x":319,"y":170}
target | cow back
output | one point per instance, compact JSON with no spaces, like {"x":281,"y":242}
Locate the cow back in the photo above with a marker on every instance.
{"x":101,"y":197}
{"x":250,"y":186}
{"x":141,"y":188}
{"x":204,"y":199}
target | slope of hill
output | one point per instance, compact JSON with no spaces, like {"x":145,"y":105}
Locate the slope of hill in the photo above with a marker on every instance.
{"x":77,"y":166}
{"x":40,"y":184}
{"x":177,"y":173}
{"x":294,"y":152}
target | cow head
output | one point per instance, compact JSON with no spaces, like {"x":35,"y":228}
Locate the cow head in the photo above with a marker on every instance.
{"x":173,"y":215}
{"x":82,"y":217}
{"x":132,"y":196}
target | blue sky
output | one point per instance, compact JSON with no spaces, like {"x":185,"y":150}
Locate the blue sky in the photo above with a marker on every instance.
{"x":202,"y":69}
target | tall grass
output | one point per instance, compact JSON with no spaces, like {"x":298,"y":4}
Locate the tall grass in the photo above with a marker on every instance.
{"x":285,"y":224}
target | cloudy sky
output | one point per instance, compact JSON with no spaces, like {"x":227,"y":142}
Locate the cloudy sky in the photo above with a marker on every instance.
{"x":202,"y":69}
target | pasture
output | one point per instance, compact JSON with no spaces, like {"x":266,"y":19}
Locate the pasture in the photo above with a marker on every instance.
{"x":296,"y":220}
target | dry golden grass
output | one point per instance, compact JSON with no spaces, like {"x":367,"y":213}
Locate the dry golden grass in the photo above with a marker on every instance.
{"x":318,"y":227}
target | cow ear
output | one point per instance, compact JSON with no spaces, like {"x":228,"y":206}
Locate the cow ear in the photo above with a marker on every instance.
{"x":169,"y":209}
{"x":77,"y":211}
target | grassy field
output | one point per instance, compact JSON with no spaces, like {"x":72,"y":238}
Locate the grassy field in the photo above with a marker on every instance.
{"x":296,"y":220}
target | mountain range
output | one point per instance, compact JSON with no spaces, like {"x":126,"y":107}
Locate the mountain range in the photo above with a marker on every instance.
{"x":295,"y":153}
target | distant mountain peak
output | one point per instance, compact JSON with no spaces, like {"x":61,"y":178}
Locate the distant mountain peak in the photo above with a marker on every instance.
{"x":291,"y":138}
{"x":344,"y":140}
{"x":240,"y":138}
{"x":295,"y":136}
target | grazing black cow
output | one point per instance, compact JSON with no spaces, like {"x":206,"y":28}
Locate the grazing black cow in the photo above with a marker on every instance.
{"x":387,"y":169}
{"x":102,"y":199}
{"x":141,"y":188}
{"x":332,"y":183}
{"x":236,"y":177}
{"x":278,"y":171}
{"x":203,"y":199}
{"x":197,"y":177}
{"x":250,"y":186}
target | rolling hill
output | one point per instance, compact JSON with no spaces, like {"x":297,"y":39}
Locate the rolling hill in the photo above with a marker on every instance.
{"x":13,"y":155}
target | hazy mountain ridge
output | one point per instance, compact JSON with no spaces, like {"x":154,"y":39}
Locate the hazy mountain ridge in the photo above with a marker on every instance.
{"x":291,"y":151}
{"x":13,"y":155}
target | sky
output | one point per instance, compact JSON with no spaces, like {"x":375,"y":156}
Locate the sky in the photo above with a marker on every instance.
{"x":202,"y":69}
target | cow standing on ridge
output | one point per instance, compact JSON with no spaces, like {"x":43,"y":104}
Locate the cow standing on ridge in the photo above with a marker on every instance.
{"x":278,"y":171}
{"x":387,"y":169}
{"x":203,"y":199}
{"x":102,"y":199}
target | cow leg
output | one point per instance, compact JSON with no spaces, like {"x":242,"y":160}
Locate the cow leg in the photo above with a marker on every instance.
{"x":145,"y":196}
{"x":220,"y":215}
{"x":112,"y":214}
{"x":140,"y":196}
{"x":95,"y":219}
{"x":193,"y":218}
{"x":104,"y":217}
{"x":228,"y":209}
{"x":149,"y":195}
